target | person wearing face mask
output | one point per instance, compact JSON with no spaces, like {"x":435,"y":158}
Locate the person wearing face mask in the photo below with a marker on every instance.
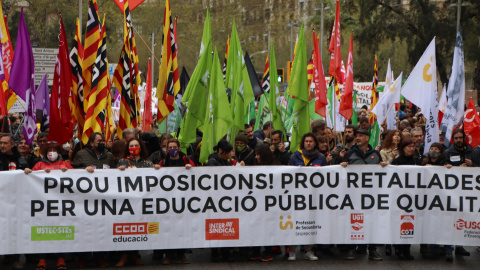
{"x":159,"y":155}
{"x":51,"y":161}
{"x":65,"y":151}
{"x":136,"y":155}
{"x":243,"y":154}
{"x":95,"y":156}
{"x":221,"y":158}
{"x":282,"y":155}
{"x":174,"y":158}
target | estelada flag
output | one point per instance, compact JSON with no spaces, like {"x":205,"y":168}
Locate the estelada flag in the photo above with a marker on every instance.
{"x":131,"y":3}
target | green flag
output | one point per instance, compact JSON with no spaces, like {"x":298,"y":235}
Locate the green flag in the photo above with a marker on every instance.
{"x":374,"y":135}
{"x":312,"y":113}
{"x":218,"y":119}
{"x":250,"y":112}
{"x":354,"y":116}
{"x":274,"y":101}
{"x":330,"y":110}
{"x":238,"y":81}
{"x":263,"y":113}
{"x":298,"y":88}
{"x":195,"y":97}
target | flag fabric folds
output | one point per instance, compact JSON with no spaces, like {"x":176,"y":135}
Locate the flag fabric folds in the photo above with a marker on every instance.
{"x":92,"y":38}
{"x":76,"y":65}
{"x":299,"y":89}
{"x":319,"y":80}
{"x":336,"y":58}
{"x":238,"y":81}
{"x":471,"y":125}
{"x":391,"y":117}
{"x":346,"y":104}
{"x":42,"y":103}
{"x":22,"y":78}
{"x":455,"y":90}
{"x":147,"y":107}
{"x":97,"y":100}
{"x":195,"y":97}
{"x":274,"y":101}
{"x":387,"y":102}
{"x":252,"y":74}
{"x":442,"y":104}
{"x":218,"y":119}
{"x":421,"y":89}
{"x":7,"y":59}
{"x":374,"y":126}
{"x":60,"y":110}
{"x":168,"y":77}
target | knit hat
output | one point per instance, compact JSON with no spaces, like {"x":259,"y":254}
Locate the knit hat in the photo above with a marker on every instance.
{"x":242,"y":136}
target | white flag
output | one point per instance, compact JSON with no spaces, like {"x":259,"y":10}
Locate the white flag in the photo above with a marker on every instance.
{"x":421,"y":89}
{"x":392,"y":116}
{"x":391,"y":95}
{"x":455,"y":91}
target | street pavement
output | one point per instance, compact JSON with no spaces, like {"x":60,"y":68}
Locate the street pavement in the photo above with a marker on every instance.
{"x":200,"y":259}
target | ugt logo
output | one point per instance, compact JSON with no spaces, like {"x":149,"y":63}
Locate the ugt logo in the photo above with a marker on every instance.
{"x":286,"y":225}
{"x":357,"y":221}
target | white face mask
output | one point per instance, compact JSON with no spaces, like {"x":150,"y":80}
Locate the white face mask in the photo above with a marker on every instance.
{"x":67,"y":147}
{"x":52,"y":156}
{"x":164,"y":149}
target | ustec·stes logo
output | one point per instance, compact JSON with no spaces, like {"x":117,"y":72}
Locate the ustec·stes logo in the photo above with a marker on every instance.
{"x":135,"y":228}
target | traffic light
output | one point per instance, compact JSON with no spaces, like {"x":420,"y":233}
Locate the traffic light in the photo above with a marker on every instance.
{"x":281,"y":75}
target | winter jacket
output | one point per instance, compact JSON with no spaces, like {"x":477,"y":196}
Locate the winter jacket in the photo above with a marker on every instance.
{"x":247,"y":156}
{"x":407,"y":160}
{"x":42,"y":165}
{"x":130,"y":162}
{"x":356,"y":156}
{"x":297,"y":159}
{"x":5,"y":160}
{"x":282,"y":157}
{"x":457,"y":157}
{"x":87,"y":157}
{"x":214,"y":160}
{"x":181,"y":162}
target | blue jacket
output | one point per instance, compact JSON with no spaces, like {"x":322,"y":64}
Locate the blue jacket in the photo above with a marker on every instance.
{"x":296,"y":159}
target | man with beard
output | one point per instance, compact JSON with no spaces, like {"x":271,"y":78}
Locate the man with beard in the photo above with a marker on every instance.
{"x":278,"y":148}
{"x":349,"y":136}
{"x":459,"y":154}
{"x":363,"y":153}
{"x":418,"y":139}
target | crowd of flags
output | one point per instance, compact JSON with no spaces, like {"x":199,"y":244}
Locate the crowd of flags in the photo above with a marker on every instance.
{"x":216,"y":100}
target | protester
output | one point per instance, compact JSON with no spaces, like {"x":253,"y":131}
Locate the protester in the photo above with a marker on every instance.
{"x":390,"y":144}
{"x":159,"y":155}
{"x":252,"y":140}
{"x":136,"y":155}
{"x":221,"y":158}
{"x":243,"y":153}
{"x":53,"y":161}
{"x":263,"y":157}
{"x":363,"y":123}
{"x":264,"y":133}
{"x":278,"y":148}
{"x":418,"y":139}
{"x":406,"y":151}
{"x":26,"y":150}
{"x":307,"y":155}
{"x":42,"y":139}
{"x":128,"y":134}
{"x":318,"y":127}
{"x":95,"y":156}
{"x":10,"y":158}
{"x":362,"y":153}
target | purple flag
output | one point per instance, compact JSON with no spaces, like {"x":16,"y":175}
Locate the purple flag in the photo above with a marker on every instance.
{"x":42,"y":99}
{"x":22,"y":78}
{"x":2,"y":70}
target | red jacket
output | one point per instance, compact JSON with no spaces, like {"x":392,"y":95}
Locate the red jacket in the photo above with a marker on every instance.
{"x":42,"y":165}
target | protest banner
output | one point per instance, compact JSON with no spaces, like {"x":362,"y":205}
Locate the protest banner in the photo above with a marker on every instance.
{"x":170,"y":208}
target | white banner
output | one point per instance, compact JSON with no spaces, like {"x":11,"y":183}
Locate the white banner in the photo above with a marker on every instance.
{"x":141,"y":209}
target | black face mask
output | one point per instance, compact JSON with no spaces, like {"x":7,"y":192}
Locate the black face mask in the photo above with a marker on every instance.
{"x":100,"y":147}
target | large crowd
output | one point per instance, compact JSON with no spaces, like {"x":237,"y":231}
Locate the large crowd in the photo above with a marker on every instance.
{"x":323,"y":146}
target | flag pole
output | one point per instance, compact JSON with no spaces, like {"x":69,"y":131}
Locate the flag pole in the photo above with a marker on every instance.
{"x":389,"y":109}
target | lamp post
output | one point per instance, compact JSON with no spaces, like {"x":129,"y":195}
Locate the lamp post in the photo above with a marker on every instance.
{"x":291,"y":25}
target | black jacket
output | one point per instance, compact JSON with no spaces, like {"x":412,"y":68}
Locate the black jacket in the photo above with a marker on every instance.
{"x":20,"y":162}
{"x":214,"y":160}
{"x":407,"y":160}
{"x":457,"y":158}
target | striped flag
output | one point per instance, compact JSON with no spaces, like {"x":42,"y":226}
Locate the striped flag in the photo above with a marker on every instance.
{"x":168,"y":80}
{"x":310,"y":69}
{"x":374,"y":97}
{"x":224,"y":70}
{"x":92,"y":39}
{"x":266,"y":77}
{"x":97,"y":99}
{"x":76,"y":65}
{"x":7,"y":58}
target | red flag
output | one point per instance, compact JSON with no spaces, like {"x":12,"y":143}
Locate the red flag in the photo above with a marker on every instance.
{"x":336,"y":59}
{"x":346,"y":103}
{"x":147,"y":108}
{"x":471,"y":125}
{"x":131,"y":3}
{"x":60,"y":111}
{"x":319,"y":79}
